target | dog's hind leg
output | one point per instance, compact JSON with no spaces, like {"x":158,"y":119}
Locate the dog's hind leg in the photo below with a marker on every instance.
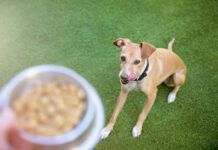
{"x":169,"y":81}
{"x":178,"y":79}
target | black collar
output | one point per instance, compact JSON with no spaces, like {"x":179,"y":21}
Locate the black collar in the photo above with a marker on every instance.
{"x":144,"y":73}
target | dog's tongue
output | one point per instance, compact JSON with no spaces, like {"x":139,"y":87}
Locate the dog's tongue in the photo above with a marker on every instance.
{"x":132,"y":76}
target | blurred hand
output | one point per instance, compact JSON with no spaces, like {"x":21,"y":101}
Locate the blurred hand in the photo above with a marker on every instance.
{"x":9,"y":133}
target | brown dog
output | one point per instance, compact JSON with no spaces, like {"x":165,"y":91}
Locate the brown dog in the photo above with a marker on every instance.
{"x":144,"y":67}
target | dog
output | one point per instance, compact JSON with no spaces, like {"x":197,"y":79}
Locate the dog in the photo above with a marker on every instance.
{"x":144,"y":67}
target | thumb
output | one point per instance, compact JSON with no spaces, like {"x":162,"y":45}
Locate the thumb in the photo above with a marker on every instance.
{"x":16,"y":142}
{"x":9,"y":133}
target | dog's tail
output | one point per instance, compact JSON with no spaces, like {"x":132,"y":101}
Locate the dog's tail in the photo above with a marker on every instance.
{"x":170,"y":44}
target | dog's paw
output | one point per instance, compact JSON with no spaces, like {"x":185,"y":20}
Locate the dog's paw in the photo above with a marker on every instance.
{"x":136,"y":131}
{"x":171,"y":97}
{"x":104,"y":133}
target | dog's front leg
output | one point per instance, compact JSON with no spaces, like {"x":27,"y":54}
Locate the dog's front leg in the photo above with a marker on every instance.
{"x":120,"y":102}
{"x":151,"y":94}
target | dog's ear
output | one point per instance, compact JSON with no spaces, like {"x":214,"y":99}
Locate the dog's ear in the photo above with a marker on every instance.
{"x":121,"y":42}
{"x":146,"y":49}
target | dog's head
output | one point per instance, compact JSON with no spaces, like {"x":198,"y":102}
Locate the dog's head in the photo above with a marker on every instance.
{"x":133,"y":58}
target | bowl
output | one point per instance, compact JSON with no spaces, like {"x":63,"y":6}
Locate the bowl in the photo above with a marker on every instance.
{"x":79,"y":135}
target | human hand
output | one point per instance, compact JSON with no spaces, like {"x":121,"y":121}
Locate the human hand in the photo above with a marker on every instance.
{"x":9,"y":133}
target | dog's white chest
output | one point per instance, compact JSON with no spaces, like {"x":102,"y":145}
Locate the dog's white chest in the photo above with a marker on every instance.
{"x":131,"y":86}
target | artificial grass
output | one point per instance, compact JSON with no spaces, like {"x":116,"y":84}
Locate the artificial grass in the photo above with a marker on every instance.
{"x":79,"y":34}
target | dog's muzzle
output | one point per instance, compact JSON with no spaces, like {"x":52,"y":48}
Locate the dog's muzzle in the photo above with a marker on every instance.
{"x":124,"y":80}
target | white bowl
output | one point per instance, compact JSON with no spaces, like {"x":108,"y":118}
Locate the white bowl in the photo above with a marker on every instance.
{"x":82,"y":135}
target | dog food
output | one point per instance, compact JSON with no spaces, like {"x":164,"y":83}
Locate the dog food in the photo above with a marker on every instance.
{"x":51,"y":109}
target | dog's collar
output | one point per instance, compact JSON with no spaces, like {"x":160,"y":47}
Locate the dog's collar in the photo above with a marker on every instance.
{"x":144,"y":73}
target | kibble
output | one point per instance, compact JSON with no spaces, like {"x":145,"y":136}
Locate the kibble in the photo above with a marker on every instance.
{"x":51,"y":109}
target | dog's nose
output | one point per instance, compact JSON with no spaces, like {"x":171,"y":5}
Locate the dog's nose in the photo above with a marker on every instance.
{"x":124,"y":76}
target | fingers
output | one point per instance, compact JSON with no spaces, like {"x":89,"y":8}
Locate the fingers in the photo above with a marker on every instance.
{"x":6,"y":119}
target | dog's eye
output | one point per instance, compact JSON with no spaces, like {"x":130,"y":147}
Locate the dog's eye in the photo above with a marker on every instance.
{"x":123,"y":58}
{"x":136,"y":62}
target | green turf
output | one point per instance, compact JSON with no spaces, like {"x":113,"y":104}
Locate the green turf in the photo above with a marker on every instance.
{"x":79,"y":34}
